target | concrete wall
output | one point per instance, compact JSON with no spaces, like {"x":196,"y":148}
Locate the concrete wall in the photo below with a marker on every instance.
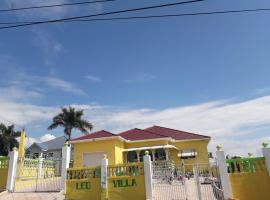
{"x":83,"y":189}
{"x":126,"y":188}
{"x":250,"y":186}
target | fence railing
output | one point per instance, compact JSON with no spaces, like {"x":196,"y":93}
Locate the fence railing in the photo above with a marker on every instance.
{"x":83,"y":173}
{"x":4,"y":162}
{"x":240,"y":165}
{"x":129,"y":169}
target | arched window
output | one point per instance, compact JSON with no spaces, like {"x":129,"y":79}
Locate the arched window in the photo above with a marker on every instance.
{"x":160,"y":154}
{"x":131,"y":156}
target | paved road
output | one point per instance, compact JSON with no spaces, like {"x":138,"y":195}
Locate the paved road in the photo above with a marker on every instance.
{"x":32,"y":196}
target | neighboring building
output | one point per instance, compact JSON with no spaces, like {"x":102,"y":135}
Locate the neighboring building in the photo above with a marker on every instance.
{"x":130,"y":146}
{"x":51,"y":149}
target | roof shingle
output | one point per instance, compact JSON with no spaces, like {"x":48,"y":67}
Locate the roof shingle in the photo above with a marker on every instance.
{"x":139,"y":134}
{"x":175,"y":134}
{"x":98,"y":134}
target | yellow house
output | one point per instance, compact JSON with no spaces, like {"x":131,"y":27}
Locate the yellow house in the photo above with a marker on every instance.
{"x":129,"y":146}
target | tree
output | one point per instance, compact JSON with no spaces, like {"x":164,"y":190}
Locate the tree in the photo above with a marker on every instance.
{"x":8,"y":138}
{"x":70,"y":118}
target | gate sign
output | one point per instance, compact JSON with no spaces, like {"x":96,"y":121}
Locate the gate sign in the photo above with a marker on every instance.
{"x":83,"y":186}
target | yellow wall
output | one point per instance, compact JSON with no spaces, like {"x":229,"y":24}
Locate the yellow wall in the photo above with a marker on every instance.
{"x":119,"y":147}
{"x":199,"y":145}
{"x":250,"y":186}
{"x":3,"y":179}
{"x":114,"y":150}
{"x":78,"y":190}
{"x":111,"y":148}
{"x":130,"y":192}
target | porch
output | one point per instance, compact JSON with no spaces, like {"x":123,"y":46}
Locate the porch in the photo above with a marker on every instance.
{"x":158,"y":153}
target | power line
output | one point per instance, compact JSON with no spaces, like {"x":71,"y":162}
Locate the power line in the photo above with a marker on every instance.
{"x":172,"y":15}
{"x":101,"y":14}
{"x":159,"y":16}
{"x":55,"y":5}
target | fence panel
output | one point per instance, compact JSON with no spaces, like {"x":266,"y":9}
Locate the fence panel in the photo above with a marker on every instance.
{"x":35,"y":175}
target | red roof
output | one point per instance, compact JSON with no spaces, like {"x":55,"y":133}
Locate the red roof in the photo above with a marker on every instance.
{"x":139,"y":134}
{"x":153,"y":132}
{"x":98,"y":134}
{"x":175,"y":134}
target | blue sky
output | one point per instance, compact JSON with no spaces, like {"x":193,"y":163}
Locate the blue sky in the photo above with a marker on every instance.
{"x":206,"y":74}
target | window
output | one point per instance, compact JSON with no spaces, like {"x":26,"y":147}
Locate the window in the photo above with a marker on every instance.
{"x":131,"y":156}
{"x":35,"y":155}
{"x":44,"y":155}
{"x":160,"y":154}
{"x":187,"y":153}
{"x":50,"y":155}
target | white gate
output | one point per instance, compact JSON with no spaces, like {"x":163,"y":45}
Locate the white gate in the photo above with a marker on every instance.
{"x":186,"y":182}
{"x":36,"y":175}
{"x":204,"y":182}
{"x":168,"y":181}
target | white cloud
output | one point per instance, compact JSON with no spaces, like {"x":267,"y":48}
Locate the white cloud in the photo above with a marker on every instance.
{"x":261,"y":91}
{"x":237,"y":126}
{"x":63,"y":85}
{"x":30,"y":140}
{"x":18,"y":93}
{"x":93,"y":78}
{"x":24,"y":114}
{"x":44,"y":41}
{"x":35,"y":14}
{"x":141,"y":77}
{"x":46,"y":137}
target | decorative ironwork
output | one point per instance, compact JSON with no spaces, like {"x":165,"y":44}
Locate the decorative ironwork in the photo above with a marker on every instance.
{"x":241,"y":165}
{"x":83,"y":173}
{"x":129,"y":169}
{"x":4,"y":162}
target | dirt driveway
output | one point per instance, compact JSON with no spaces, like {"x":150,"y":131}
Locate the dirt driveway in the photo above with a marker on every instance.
{"x":32,"y":196}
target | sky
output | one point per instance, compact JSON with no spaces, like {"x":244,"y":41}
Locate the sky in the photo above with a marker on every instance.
{"x":203,"y":74}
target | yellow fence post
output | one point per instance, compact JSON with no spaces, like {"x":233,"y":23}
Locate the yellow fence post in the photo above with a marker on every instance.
{"x":22,"y":145}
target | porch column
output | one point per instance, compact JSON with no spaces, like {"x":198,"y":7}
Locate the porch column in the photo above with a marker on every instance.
{"x":167,"y":153}
{"x":138,"y":156}
{"x":153,"y":154}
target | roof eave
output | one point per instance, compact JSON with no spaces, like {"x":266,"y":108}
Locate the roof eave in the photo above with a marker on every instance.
{"x":96,"y":139}
{"x":188,"y":140}
{"x":146,"y":140}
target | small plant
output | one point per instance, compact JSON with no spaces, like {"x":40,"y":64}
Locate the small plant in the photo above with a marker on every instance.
{"x":250,"y":154}
{"x":265,"y":144}
{"x":218,"y":147}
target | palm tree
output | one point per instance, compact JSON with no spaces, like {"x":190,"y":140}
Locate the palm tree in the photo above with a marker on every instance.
{"x":8,"y":138}
{"x":70,"y":118}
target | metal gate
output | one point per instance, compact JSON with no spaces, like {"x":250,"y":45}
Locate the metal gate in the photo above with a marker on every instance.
{"x":204,"y":183}
{"x":36,"y":175}
{"x":186,"y":181}
{"x":168,"y":181}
